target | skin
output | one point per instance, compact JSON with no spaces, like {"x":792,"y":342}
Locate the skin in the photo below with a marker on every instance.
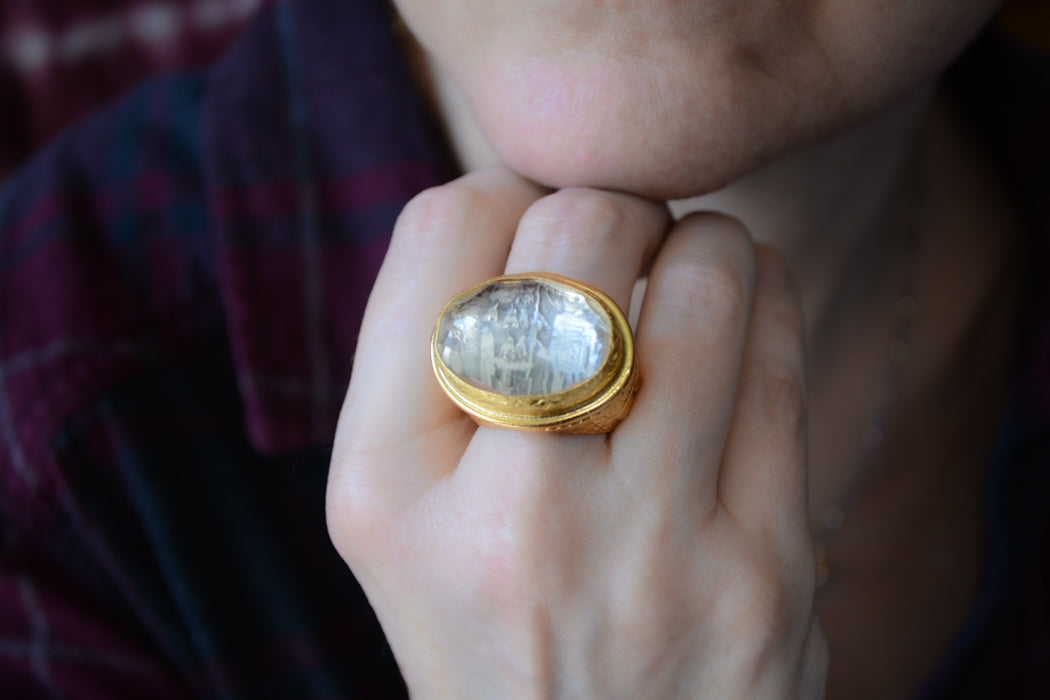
{"x":673,"y":557}
{"x":674,"y":99}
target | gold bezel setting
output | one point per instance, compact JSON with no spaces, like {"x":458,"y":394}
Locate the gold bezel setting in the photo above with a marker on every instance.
{"x":595,"y":405}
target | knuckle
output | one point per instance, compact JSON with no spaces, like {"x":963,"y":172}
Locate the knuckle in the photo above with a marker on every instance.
{"x":760,"y":603}
{"x":507,"y":553}
{"x":779,"y":392}
{"x":725,"y":291}
{"x":365,"y":506}
{"x":782,"y":311}
{"x":427,"y":219}
{"x":577,"y":217}
{"x":351,"y":512}
{"x":709,"y":287}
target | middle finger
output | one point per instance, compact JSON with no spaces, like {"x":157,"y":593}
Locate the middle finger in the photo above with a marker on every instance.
{"x":603,"y":239}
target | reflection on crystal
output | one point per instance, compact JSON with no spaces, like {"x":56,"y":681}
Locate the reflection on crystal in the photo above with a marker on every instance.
{"x":524,"y":337}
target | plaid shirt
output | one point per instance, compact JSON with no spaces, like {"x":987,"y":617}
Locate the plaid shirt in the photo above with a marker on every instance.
{"x":60,"y":60}
{"x":181,"y":283}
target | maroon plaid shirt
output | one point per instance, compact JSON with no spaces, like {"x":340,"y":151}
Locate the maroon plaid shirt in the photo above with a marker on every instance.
{"x":60,"y":60}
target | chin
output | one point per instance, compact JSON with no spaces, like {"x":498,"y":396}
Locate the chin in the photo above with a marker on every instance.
{"x":616,"y":127}
{"x":677,"y":99}
{"x":611,"y":162}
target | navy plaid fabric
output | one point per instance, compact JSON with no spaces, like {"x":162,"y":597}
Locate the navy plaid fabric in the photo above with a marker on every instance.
{"x":61,"y":60}
{"x":181,"y":282}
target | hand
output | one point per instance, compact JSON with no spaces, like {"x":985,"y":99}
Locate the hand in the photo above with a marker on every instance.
{"x":670,"y":558}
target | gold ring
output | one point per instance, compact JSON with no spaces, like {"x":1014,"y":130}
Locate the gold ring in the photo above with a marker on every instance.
{"x":536,"y":351}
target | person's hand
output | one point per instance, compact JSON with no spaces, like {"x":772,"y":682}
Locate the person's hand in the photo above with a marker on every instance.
{"x":670,"y":558}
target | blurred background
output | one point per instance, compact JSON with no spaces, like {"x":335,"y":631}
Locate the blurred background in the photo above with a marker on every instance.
{"x":60,"y":59}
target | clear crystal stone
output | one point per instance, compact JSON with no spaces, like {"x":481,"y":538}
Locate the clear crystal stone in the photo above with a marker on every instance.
{"x":524,"y":337}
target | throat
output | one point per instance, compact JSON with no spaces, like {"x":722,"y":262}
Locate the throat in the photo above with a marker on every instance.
{"x":907,"y":563}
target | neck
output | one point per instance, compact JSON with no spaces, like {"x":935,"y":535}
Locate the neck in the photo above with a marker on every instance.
{"x":838,"y":210}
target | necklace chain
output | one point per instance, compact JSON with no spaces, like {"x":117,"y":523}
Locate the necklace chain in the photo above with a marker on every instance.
{"x":871,"y":440}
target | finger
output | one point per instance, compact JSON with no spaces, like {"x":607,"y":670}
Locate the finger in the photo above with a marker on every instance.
{"x":447,"y":239}
{"x":763,"y":471}
{"x":600,"y":238}
{"x":690,"y":342}
{"x":603,"y":239}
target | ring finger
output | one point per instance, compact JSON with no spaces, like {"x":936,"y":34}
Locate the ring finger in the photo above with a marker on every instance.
{"x":603,"y":239}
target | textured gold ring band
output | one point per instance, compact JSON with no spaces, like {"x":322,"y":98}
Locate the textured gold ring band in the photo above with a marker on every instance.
{"x":536,"y":351}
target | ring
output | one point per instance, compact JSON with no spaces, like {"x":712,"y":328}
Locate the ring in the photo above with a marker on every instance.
{"x":536,"y":351}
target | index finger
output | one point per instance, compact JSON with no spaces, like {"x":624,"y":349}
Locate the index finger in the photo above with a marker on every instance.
{"x":447,"y":239}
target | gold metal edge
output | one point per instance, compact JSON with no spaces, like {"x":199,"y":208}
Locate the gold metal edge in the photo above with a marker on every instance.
{"x":593,"y":406}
